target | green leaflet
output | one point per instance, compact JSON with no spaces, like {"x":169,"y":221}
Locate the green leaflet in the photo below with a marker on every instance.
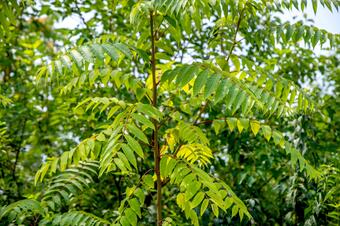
{"x":228,"y":202}
{"x":120,"y":164}
{"x":186,"y":75}
{"x":148,"y":181}
{"x":135,"y":206}
{"x":193,"y":188}
{"x":222,"y":90}
{"x":111,"y":51}
{"x":308,"y":35}
{"x":76,"y":56}
{"x":97,"y":51}
{"x":241,"y":97}
{"x":63,"y":161}
{"x":54,"y":165}
{"x":163,"y":164}
{"x":299,"y":33}
{"x":289,"y":32}
{"x":125,"y":161}
{"x":112,"y":111}
{"x":66,"y":61}
{"x":167,"y":165}
{"x":131,"y":216}
{"x":137,"y":132}
{"x":285,"y":93}
{"x":278,"y":89}
{"x":134,"y":145}
{"x":267,"y":132}
{"x":316,"y":38}
{"x":204,"y":206}
{"x":86,"y":53}
{"x":215,"y":209}
{"x":129,"y":154}
{"x":124,"y":49}
{"x":107,"y":155}
{"x":142,"y":119}
{"x":197,"y":199}
{"x":292,"y":96}
{"x":234,"y":211}
{"x":200,"y":81}
{"x":233,"y":92}
{"x":168,"y":75}
{"x":315,"y":5}
{"x":278,"y":139}
{"x":149,"y":110}
{"x":242,"y":124}
{"x":236,"y":62}
{"x":211,"y":85}
{"x":218,"y":125}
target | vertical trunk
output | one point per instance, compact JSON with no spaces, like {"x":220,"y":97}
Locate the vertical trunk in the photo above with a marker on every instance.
{"x":155,"y":134}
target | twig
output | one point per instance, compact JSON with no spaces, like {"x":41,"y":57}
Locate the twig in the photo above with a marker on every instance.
{"x":203,"y":107}
{"x":235,"y":35}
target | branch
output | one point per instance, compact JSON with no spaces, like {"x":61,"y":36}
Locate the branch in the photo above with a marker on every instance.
{"x":202,"y":109}
{"x":235,"y":35}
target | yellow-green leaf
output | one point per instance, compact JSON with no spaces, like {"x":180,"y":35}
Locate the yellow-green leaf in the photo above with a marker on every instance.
{"x":204,"y":206}
{"x":214,"y":209}
{"x":232,"y":123}
{"x":267,"y":132}
{"x":234,"y":211}
{"x":197,"y":199}
{"x":255,"y":126}
{"x":63,"y":160}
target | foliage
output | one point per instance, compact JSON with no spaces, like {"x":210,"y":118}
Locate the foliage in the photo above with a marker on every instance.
{"x":192,"y":110}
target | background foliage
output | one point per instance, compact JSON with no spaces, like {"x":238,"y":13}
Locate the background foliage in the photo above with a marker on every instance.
{"x":245,"y":107}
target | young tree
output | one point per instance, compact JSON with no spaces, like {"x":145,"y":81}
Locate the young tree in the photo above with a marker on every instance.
{"x":163,"y":116}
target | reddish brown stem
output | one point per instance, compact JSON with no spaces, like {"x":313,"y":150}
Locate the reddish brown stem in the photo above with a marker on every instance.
{"x":155,"y":133}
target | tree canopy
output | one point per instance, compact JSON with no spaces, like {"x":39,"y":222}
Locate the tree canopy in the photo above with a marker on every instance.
{"x":168,"y":112}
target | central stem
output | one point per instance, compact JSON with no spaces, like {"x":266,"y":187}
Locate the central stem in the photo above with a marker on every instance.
{"x":156,"y":150}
